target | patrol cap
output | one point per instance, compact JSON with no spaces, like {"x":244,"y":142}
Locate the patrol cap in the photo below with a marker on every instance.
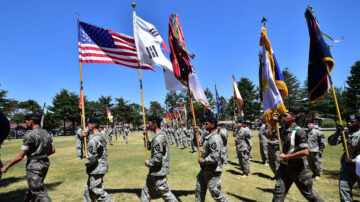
{"x":93,"y":120}
{"x":32,"y":116}
{"x":310,"y":121}
{"x":356,"y":117}
{"x":212,"y":120}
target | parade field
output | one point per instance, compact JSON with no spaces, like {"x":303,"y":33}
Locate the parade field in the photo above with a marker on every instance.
{"x":66,"y":179}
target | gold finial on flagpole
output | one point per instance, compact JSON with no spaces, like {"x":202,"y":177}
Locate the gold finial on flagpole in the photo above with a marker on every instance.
{"x":133,"y":5}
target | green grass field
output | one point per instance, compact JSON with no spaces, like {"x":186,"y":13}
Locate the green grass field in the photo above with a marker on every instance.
{"x":67,"y":178}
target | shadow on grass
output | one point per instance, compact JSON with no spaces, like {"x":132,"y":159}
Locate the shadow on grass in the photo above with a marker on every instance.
{"x":255,"y":161}
{"x":266,"y":190}
{"x":7,"y":181}
{"x":262,"y":175}
{"x":334,"y":174}
{"x":19,"y":194}
{"x":241,"y":198}
{"x":137,"y":192}
{"x":234,"y":172}
{"x":233,"y":163}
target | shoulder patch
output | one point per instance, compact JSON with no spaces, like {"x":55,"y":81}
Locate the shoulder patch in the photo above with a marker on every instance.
{"x":157,"y":148}
{"x":213,"y":146}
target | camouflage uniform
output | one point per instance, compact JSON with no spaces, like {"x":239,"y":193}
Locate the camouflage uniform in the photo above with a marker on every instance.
{"x":183,"y":134}
{"x":96,"y":167}
{"x":4,"y":132}
{"x":295,"y":170}
{"x":348,"y":176}
{"x":38,"y":144}
{"x":224,"y":150}
{"x":177,"y":137}
{"x":211,"y":169}
{"x":263,"y":143}
{"x":251,"y":136}
{"x":193,"y":140}
{"x":243,"y":145}
{"x":125,"y":135}
{"x":110,"y":134}
{"x":79,"y":142}
{"x":159,"y":166}
{"x":317,"y":142}
{"x":273,"y":152}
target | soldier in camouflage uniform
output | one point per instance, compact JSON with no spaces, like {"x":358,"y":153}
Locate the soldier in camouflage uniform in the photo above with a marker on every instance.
{"x":158,"y":165}
{"x":293,"y":166}
{"x":317,"y":143}
{"x":37,"y":146}
{"x":244,"y":125}
{"x":273,"y":150}
{"x":224,"y":136}
{"x":4,"y":132}
{"x":193,"y":140}
{"x":263,"y":141}
{"x":79,"y":142}
{"x":348,"y":176}
{"x":183,"y":135}
{"x":125,"y":134}
{"x":110,"y":134}
{"x":243,"y":145}
{"x":177,"y":137}
{"x":96,"y":164}
{"x":211,"y":163}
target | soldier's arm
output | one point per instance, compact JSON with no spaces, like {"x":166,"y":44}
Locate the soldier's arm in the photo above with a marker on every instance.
{"x":92,"y":153}
{"x":301,"y":141}
{"x":322,"y":141}
{"x":157,"y":157}
{"x":214,"y":156}
{"x":335,"y":139}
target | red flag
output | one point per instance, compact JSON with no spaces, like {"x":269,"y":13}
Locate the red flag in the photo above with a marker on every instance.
{"x":181,"y":107}
{"x":107,"y":112}
{"x":170,"y":116}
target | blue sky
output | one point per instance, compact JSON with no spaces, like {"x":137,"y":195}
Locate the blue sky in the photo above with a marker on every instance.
{"x":39,"y":54}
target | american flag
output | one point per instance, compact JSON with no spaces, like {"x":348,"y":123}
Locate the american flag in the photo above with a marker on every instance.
{"x":99,"y":45}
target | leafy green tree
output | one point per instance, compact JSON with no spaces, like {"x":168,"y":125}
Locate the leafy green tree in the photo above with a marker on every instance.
{"x":23,"y":108}
{"x":7,"y":106}
{"x":249,"y":93}
{"x":352,"y":92}
{"x":293,"y":85}
{"x":156,"y":109}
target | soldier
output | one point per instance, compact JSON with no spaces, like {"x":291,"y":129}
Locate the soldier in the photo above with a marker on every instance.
{"x":193,"y":140}
{"x":243,"y":145}
{"x":4,"y":132}
{"x":158,"y":165}
{"x":224,"y":136}
{"x":184,"y":136}
{"x":96,"y":164}
{"x":37,"y":146}
{"x":125,"y":135}
{"x":110,"y":134}
{"x":245,"y":126}
{"x":176,"y":136}
{"x":348,"y":176}
{"x":211,"y":165}
{"x":116,"y":132}
{"x":79,"y":142}
{"x":317,"y":143}
{"x":273,"y":150}
{"x":293,"y":166}
{"x":263,"y":141}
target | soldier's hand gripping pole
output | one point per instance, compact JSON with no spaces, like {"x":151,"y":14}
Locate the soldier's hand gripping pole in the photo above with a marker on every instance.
{"x":337,"y":110}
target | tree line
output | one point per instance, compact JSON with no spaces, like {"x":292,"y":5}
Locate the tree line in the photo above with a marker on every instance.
{"x":65,"y":104}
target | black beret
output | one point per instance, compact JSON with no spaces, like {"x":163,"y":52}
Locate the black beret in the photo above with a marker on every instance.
{"x":212,"y":120}
{"x":4,"y":127}
{"x":357,"y":117}
{"x":154,"y":118}
{"x":292,"y":111}
{"x":310,"y":121}
{"x":239,"y":121}
{"x":221,"y":124}
{"x":93,"y":120}
{"x":32,"y":116}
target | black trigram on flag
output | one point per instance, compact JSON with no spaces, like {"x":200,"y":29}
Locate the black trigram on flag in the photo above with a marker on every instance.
{"x":154,"y":32}
{"x":152,"y":51}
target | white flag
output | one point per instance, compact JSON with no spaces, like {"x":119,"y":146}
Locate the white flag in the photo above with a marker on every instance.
{"x":149,"y":44}
{"x":172,"y":83}
{"x":197,"y":90}
{"x":272,"y":100}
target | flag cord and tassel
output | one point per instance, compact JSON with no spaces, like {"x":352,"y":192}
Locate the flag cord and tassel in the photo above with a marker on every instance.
{"x":83,"y":110}
{"x":143,"y":111}
{"x":337,"y":109}
{"x":194,"y":120}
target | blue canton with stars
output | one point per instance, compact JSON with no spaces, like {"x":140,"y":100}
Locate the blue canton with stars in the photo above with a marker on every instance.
{"x":90,"y":34}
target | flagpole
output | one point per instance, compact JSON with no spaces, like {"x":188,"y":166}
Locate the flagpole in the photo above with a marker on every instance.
{"x":337,"y":110}
{"x":82,"y":92}
{"x":143,"y":108}
{"x":83,"y":109}
{"x":194,"y":120}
